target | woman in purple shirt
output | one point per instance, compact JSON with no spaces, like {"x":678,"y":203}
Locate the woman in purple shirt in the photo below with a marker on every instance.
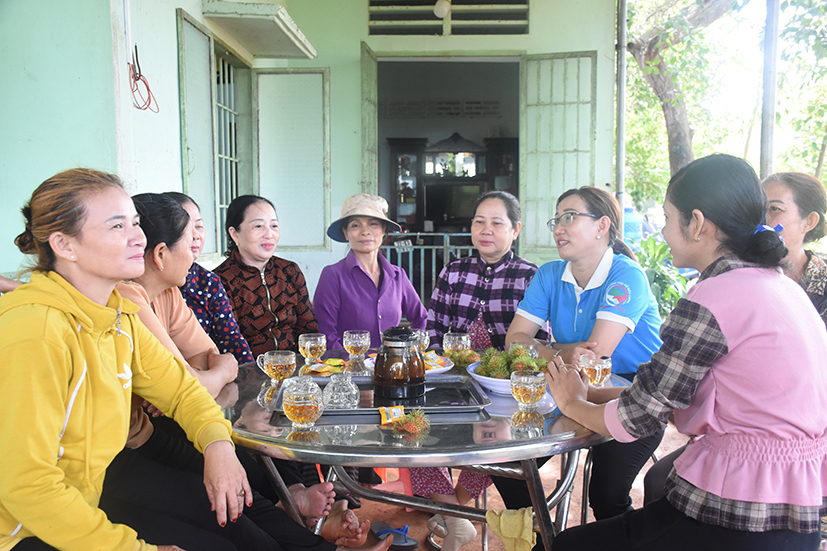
{"x":364,"y":290}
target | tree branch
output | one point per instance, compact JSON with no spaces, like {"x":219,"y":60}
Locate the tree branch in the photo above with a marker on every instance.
{"x":678,"y":27}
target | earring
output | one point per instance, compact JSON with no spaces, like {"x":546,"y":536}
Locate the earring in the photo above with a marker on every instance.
{"x":697,"y":239}
{"x":598,"y":237}
{"x":72,"y":257}
{"x":162,"y":267}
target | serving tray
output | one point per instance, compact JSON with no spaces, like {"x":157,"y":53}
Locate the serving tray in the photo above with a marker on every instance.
{"x":447,"y":399}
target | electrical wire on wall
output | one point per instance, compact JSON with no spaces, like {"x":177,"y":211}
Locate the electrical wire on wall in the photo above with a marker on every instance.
{"x":143,"y":99}
{"x":142,"y":96}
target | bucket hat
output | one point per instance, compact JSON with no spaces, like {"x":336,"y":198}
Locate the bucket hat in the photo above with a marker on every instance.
{"x":361,"y":204}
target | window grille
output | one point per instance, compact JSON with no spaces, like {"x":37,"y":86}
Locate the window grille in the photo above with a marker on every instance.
{"x":467,"y":17}
{"x":227,"y":159}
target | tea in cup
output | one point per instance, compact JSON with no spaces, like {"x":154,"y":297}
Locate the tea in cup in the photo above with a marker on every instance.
{"x":528,"y":388}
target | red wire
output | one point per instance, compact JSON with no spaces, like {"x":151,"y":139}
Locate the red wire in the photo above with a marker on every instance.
{"x":141,"y":100}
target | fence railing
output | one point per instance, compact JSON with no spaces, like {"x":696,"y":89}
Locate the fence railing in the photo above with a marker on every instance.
{"x":423,"y":255}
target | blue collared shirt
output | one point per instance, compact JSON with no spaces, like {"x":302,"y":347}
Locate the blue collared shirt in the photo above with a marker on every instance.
{"x":618,"y":291}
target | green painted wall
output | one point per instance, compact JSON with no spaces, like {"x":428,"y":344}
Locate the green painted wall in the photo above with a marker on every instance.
{"x":58,"y":104}
{"x":337,"y":27}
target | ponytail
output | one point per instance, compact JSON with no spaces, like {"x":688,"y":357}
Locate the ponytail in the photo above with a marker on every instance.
{"x":727,"y":191}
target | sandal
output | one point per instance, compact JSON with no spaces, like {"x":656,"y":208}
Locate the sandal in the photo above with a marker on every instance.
{"x":401,"y":541}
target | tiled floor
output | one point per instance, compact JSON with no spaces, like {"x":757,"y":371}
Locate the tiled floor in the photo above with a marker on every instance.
{"x":397,"y":516}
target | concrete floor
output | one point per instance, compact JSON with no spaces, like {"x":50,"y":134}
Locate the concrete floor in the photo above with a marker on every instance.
{"x":397,"y":516}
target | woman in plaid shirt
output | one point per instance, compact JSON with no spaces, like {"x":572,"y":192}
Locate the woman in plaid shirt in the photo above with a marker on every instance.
{"x":741,"y":367}
{"x":477,"y":295}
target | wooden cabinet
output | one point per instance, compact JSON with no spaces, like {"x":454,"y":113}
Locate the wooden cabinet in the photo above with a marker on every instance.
{"x":406,"y":186}
{"x":437,"y":192}
{"x":502,"y":161}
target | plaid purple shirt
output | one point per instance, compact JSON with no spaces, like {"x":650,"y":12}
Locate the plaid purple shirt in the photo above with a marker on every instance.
{"x":469,"y":286}
{"x":692,"y":343}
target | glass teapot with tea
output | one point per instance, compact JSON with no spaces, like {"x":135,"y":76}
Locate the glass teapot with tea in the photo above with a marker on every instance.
{"x":399,"y":372}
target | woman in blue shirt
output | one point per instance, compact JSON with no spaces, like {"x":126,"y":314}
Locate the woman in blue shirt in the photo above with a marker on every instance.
{"x":597,"y":301}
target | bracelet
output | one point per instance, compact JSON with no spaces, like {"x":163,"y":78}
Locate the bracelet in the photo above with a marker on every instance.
{"x":560,"y":351}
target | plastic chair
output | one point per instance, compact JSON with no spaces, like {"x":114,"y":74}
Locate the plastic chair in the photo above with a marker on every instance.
{"x":587,"y":474}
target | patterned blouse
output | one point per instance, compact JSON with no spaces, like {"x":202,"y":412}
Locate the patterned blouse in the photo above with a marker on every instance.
{"x":815,"y":282}
{"x":272,"y":306}
{"x":206,"y":297}
{"x":469,"y":287}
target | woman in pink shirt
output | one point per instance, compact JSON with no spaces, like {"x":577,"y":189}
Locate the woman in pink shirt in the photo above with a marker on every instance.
{"x":741,"y":367}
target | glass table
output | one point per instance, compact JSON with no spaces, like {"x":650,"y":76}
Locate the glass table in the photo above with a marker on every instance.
{"x":494,"y":439}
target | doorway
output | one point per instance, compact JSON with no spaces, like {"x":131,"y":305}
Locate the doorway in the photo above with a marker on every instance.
{"x":426,"y":101}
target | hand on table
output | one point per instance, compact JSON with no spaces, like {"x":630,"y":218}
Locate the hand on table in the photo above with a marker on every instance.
{"x":566,"y":383}
{"x":571,"y":353}
{"x":226,"y":482}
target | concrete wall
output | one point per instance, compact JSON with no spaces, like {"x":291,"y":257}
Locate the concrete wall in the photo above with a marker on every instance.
{"x":66,"y":100}
{"x":336,"y":28}
{"x":58,"y":104}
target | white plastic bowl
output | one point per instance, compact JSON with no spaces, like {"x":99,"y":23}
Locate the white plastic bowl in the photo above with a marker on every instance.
{"x":497,"y":386}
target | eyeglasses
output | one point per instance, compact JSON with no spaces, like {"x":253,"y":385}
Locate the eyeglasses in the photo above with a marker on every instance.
{"x":566,"y":219}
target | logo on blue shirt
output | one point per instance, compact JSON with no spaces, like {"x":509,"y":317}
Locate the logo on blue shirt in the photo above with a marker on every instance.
{"x":617,"y":295}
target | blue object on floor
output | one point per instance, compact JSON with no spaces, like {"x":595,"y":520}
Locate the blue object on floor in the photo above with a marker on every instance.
{"x":401,"y":541}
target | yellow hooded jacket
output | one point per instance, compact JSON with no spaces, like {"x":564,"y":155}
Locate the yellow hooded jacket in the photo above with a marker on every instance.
{"x":68,"y":367}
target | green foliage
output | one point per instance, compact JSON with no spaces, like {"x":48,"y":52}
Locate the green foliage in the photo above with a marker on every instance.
{"x":802,"y":95}
{"x":667,"y":284}
{"x":647,"y":160}
{"x":694,"y":64}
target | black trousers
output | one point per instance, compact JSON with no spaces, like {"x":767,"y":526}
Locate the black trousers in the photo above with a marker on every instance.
{"x":158,"y":490}
{"x":171,"y":447}
{"x":659,"y":526}
{"x":614,"y":468}
{"x":654,"y":483}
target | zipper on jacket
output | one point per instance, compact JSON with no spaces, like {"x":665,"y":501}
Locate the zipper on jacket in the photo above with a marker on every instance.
{"x":270,"y":308}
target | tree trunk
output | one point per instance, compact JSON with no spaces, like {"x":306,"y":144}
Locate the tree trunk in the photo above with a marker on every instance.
{"x":678,"y":130}
{"x":647,"y":51}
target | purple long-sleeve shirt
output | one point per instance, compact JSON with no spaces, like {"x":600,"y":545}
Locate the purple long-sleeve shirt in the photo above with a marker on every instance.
{"x":346,"y":298}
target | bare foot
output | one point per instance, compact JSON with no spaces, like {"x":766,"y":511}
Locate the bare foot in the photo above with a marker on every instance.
{"x":342,"y":526}
{"x":314,"y":502}
{"x":376,"y":545}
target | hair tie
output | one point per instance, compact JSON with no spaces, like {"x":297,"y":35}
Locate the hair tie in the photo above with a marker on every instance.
{"x":763,"y":227}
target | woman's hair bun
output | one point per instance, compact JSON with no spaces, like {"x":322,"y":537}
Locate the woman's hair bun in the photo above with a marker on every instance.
{"x":25,"y":241}
{"x":765,"y":247}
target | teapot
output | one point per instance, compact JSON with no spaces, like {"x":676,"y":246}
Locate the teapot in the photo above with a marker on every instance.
{"x":399,"y":372}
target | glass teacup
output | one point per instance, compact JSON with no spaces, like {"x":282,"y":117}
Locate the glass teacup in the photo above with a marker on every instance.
{"x":528,"y":388}
{"x":312,"y":346}
{"x":277,"y":364}
{"x":456,"y":341}
{"x":356,"y":342}
{"x":423,"y":339}
{"x":598,"y":369}
{"x":302,"y":401}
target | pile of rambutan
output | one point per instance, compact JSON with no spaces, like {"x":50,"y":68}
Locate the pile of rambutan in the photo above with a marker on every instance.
{"x":500,"y":365}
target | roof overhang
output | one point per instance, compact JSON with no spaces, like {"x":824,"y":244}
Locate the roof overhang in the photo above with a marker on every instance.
{"x":266,"y":30}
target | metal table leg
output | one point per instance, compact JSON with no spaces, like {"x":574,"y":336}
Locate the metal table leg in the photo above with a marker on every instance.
{"x":538,"y":498}
{"x":281,"y":489}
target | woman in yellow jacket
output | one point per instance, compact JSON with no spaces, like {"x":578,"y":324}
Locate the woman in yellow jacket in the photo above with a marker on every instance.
{"x":73,"y":351}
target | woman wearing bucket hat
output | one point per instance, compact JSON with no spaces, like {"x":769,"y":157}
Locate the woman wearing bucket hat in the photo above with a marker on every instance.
{"x":364,"y":290}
